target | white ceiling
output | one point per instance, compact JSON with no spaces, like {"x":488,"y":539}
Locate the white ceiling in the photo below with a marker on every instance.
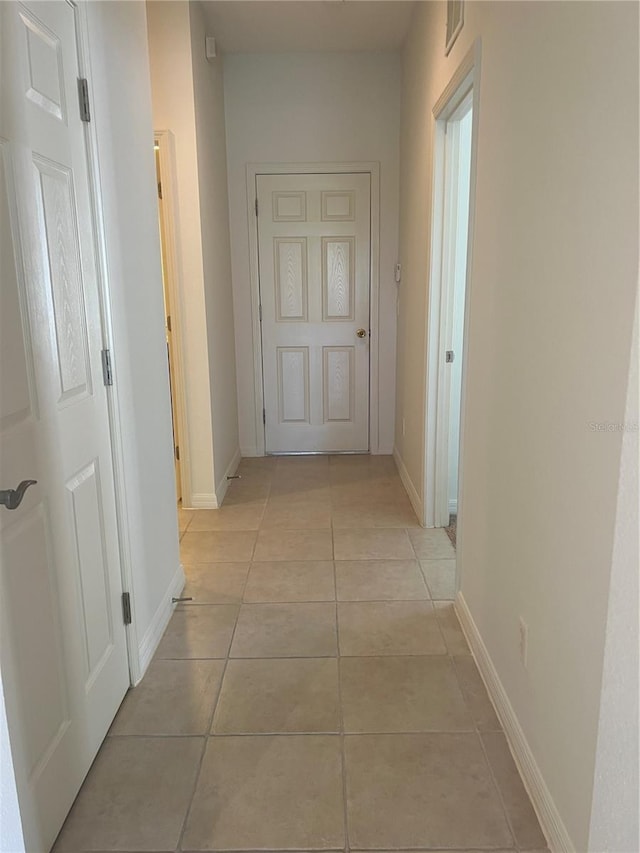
{"x":264,"y":26}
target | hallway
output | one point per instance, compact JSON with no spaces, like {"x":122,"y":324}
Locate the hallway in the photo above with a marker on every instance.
{"x":317,"y":694}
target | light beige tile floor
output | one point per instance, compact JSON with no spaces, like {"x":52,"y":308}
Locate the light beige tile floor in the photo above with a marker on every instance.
{"x":318,"y":694}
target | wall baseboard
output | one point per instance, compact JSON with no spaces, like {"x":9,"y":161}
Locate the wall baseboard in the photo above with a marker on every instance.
{"x":550,"y":820}
{"x":453,"y":506}
{"x":383,"y":450}
{"x":223,"y":485}
{"x":206,"y":500}
{"x":249,"y":452}
{"x":414,"y":497}
{"x":159,"y":622}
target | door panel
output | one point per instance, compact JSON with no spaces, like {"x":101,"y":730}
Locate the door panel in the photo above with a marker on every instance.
{"x":63,"y":260}
{"x":39,"y":660}
{"x":62,"y":636}
{"x":314,"y":238}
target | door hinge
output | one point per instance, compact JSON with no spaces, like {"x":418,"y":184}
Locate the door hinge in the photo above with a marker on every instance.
{"x":107,"y":372}
{"x":260,"y":312}
{"x":177,"y":453}
{"x":449,"y":356}
{"x":264,"y":416}
{"x":83,"y":98}
{"x":256,"y":207}
{"x":169,"y":323}
{"x":160,"y":189}
{"x":126,"y":608}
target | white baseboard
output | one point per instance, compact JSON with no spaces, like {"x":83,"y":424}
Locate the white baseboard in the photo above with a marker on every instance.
{"x":158,"y":624}
{"x":223,"y":484}
{"x":414,"y":497}
{"x":551,"y":823}
{"x":382,"y":450}
{"x":453,"y":506}
{"x":249,"y":452}
{"x":204,"y":500}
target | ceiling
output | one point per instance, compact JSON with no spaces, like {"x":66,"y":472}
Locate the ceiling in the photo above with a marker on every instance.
{"x":264,"y":26}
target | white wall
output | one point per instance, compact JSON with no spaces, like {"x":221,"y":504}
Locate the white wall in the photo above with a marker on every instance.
{"x":169,"y":32}
{"x":121,"y":110}
{"x":312,"y":108}
{"x":554,"y":275}
{"x":208,"y":92}
{"x":614,"y":817}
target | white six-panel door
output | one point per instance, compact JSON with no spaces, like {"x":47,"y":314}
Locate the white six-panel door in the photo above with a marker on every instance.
{"x":62,"y":636}
{"x":314,"y":238}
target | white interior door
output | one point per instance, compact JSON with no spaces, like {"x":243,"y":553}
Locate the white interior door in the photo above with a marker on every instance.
{"x":64,"y":661}
{"x":314,"y":237}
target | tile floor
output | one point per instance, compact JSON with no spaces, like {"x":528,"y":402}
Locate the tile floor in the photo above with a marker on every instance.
{"x":317,"y":695}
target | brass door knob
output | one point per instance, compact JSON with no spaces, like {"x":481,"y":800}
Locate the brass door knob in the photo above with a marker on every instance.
{"x":361,"y":333}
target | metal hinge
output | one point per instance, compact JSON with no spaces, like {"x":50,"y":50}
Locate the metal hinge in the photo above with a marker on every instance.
{"x":126,"y":608}
{"x":168,"y":323}
{"x":449,"y":356}
{"x":260,"y":312}
{"x":264,"y":416}
{"x":177,"y":453}
{"x":256,"y":207}
{"x":159,"y":189}
{"x":107,"y":372}
{"x":83,"y":98}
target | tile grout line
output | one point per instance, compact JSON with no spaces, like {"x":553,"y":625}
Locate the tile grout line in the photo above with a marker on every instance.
{"x":302,"y":733}
{"x":343,"y":757}
{"x":328,"y":657}
{"x":207,"y":733}
{"x":498,"y":790}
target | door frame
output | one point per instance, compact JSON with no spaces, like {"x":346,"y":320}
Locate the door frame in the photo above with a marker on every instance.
{"x":165,"y":140}
{"x":464,"y":81}
{"x":117,"y":421}
{"x":371,"y":168}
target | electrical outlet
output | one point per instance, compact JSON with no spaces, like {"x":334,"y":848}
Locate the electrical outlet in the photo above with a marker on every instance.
{"x":524,"y":642}
{"x":403,"y":427}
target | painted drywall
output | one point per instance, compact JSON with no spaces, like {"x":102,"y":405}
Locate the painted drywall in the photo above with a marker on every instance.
{"x":172,"y":89}
{"x":614,"y":816}
{"x":555,"y":253}
{"x":208,"y":91}
{"x":307,"y":108}
{"x":11,"y":837}
{"x":121,"y":112}
{"x":459,"y":288}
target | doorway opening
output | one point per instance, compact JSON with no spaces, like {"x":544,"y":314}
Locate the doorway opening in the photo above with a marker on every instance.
{"x":164,"y":160}
{"x":452,"y":227}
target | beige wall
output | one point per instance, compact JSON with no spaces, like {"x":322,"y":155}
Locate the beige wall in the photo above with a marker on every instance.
{"x":208,"y":89}
{"x":188,"y":100}
{"x":173,"y":109}
{"x":615,"y":819}
{"x":308,"y":108}
{"x":555,"y":269}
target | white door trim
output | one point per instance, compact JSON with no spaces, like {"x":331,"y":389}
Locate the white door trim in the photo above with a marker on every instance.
{"x":165,"y":140}
{"x":371,"y":168}
{"x":116,"y":418}
{"x":465,"y":79}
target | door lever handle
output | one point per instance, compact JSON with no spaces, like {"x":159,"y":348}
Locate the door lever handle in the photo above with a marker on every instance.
{"x":12,"y":498}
